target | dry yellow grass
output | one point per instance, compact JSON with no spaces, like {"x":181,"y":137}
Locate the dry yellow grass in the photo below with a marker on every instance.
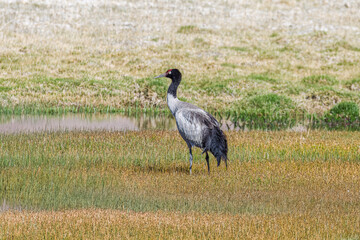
{"x":113,"y":224}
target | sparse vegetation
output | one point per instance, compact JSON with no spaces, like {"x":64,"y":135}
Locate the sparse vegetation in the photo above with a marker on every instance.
{"x":103,"y":61}
{"x":105,"y":65}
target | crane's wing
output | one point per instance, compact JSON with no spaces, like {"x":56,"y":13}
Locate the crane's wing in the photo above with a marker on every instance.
{"x":194,"y":124}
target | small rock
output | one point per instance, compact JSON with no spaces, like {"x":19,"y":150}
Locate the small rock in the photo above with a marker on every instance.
{"x":347,"y":5}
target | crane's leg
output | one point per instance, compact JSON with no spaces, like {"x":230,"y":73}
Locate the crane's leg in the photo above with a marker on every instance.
{"x":226,"y":163}
{"x":207,"y":161}
{"x":191,"y":158}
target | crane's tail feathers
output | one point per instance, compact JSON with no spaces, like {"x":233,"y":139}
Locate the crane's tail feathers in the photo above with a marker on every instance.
{"x":218,"y":145}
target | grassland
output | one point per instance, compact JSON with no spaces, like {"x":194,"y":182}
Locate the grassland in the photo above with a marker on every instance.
{"x":265,"y":62}
{"x":96,"y":56}
{"x":136,"y":185}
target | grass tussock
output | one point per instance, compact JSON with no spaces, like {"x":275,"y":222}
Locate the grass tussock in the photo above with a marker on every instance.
{"x":343,"y":114}
{"x":278,"y":184}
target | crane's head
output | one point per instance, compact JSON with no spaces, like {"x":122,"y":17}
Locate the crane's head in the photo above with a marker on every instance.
{"x":174,"y":74}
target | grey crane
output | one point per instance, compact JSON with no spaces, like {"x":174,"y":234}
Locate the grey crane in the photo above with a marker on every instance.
{"x":196,"y":126}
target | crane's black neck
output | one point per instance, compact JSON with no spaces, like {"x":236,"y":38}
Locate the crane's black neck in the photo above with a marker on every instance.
{"x":175,"y":81}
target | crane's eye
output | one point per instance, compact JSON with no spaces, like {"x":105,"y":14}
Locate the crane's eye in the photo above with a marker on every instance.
{"x":169,"y":72}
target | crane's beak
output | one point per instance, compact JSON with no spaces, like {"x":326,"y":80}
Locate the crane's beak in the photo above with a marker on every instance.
{"x":161,"y":75}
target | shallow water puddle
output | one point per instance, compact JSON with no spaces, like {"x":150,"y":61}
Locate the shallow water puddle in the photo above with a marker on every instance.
{"x":88,"y":122}
{"x":82,"y":122}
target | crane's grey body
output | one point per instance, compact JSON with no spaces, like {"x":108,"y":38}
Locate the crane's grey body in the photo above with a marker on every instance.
{"x":188,"y":120}
{"x":196,"y":126}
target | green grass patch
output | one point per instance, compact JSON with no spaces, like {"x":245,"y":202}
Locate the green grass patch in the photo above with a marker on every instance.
{"x":345,"y":109}
{"x":229,"y":65}
{"x":61,"y":82}
{"x":53,"y":110}
{"x":271,"y":104}
{"x":190,"y":29}
{"x":287,"y":48}
{"x":267,"y":111}
{"x":347,"y":46}
{"x":262,"y":77}
{"x":343,"y":115}
{"x":342,"y":45}
{"x":319,"y":80}
{"x":353,"y":84}
{"x":295,"y":89}
{"x":200,"y":42}
{"x":158,"y":85}
{"x":274,"y":34}
{"x":5,"y":88}
{"x":347,"y":63}
{"x":214,"y":86}
{"x":237,"y":48}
